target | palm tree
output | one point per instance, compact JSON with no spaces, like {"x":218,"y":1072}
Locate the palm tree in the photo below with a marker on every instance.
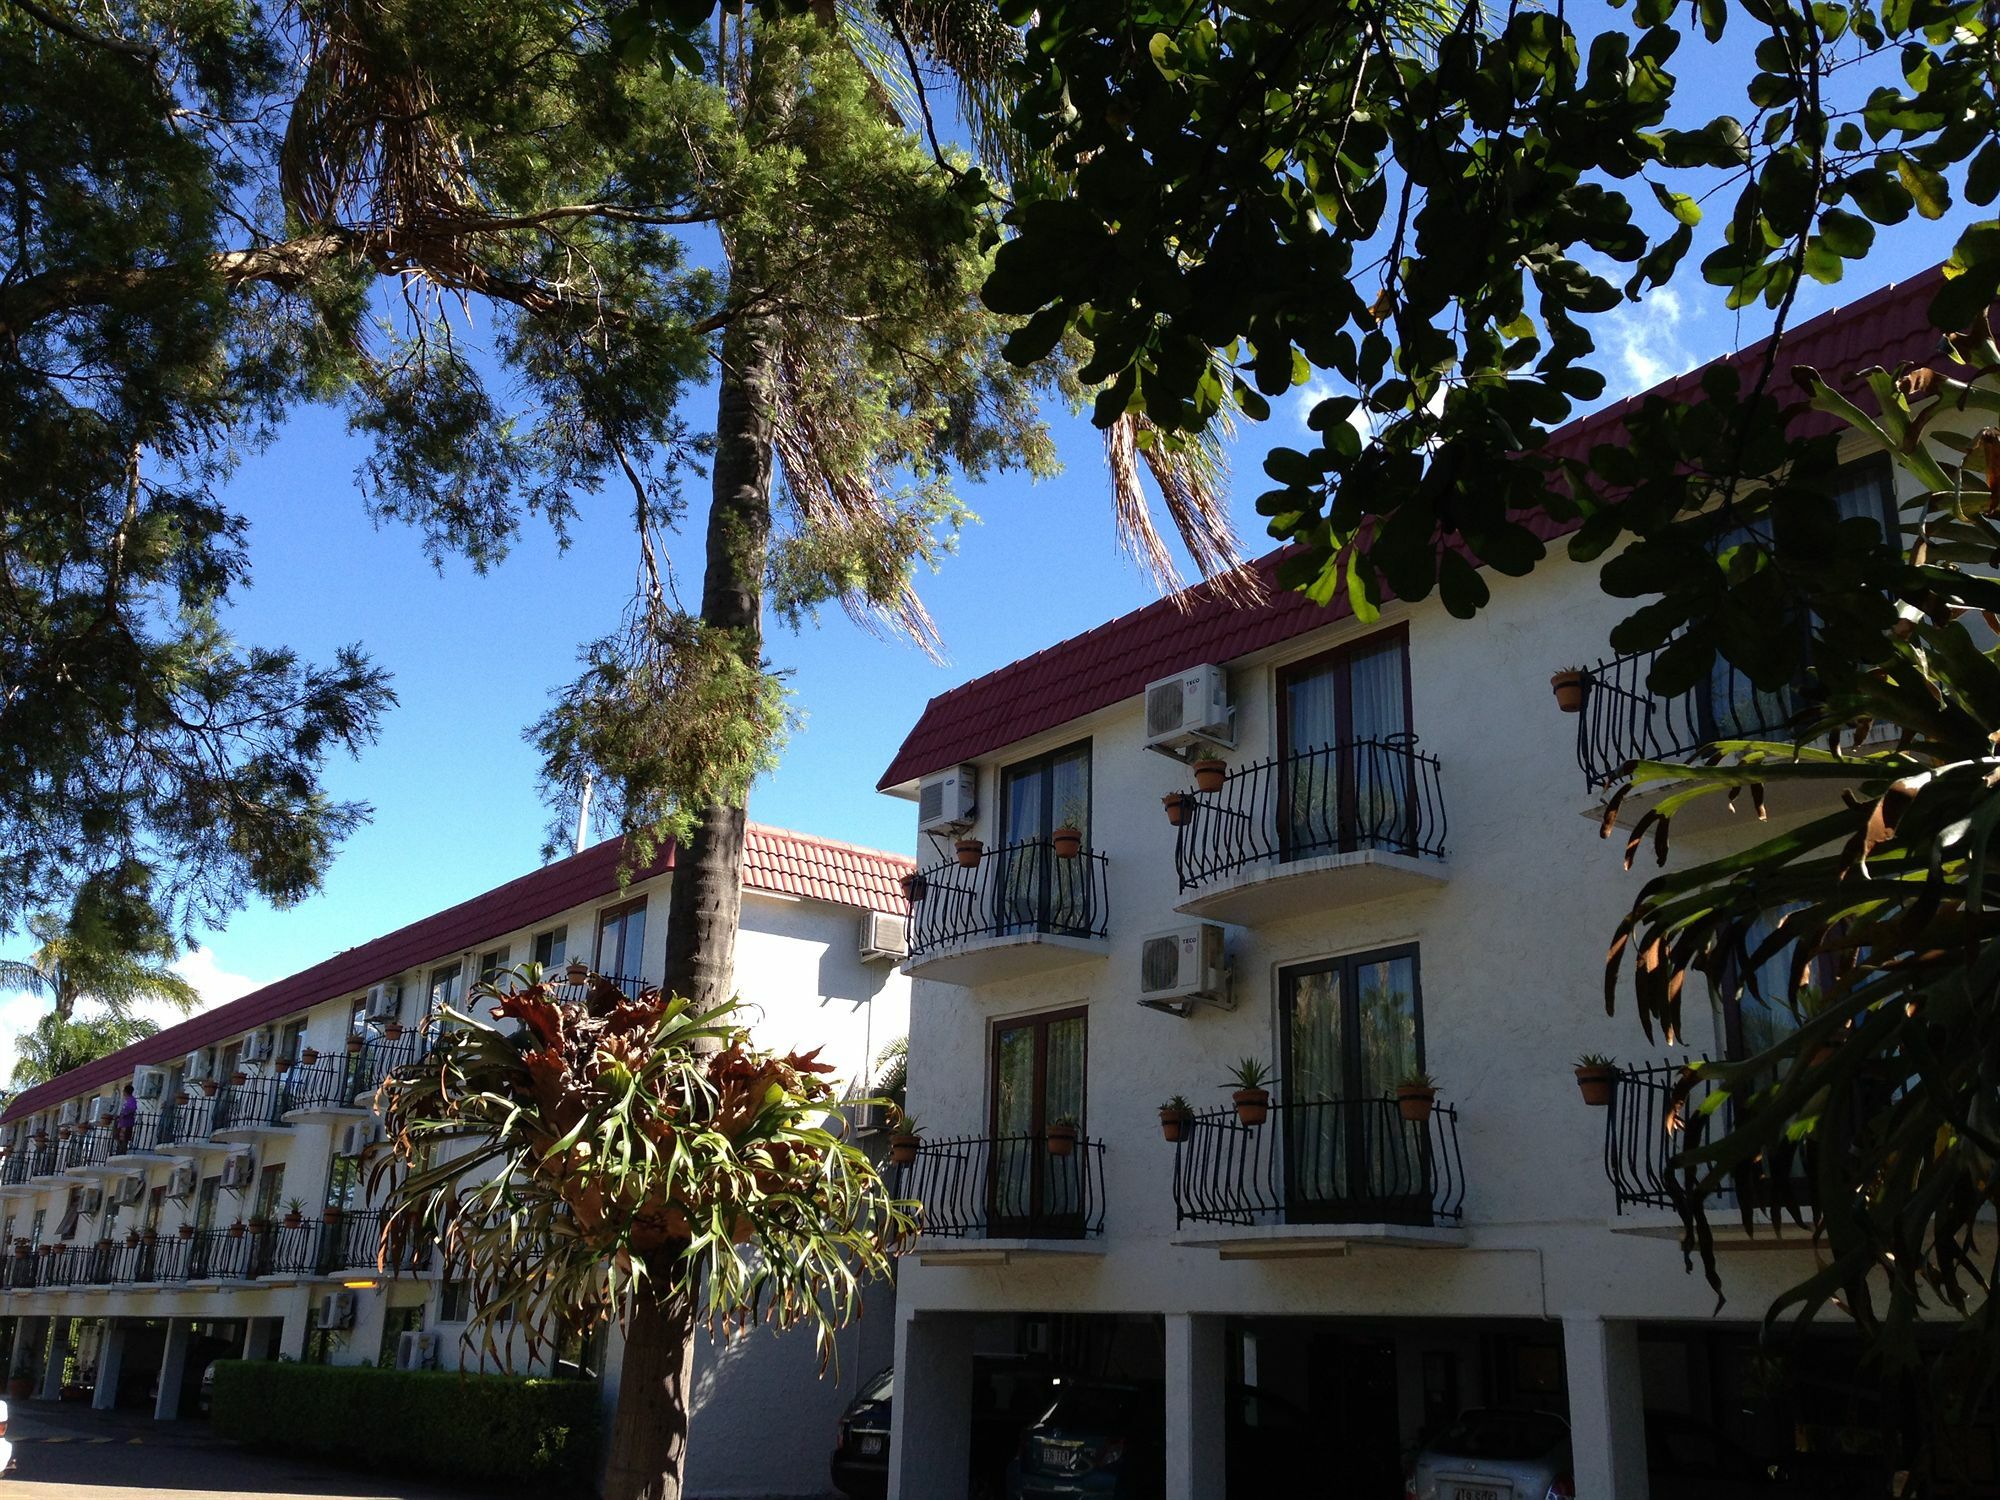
{"x":631,"y":1159}
{"x":112,"y":948}
{"x":57,"y":1044}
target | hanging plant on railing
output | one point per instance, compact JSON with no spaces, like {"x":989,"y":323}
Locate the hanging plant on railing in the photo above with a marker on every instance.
{"x":1570,"y":684}
{"x":1061,"y":1137}
{"x":916,"y":885}
{"x":1178,"y":806}
{"x":1596,"y":1076}
{"x":1416,"y":1097}
{"x":1175,"y":1117}
{"x":1251,"y":1082}
{"x":969,"y":852}
{"x":904,"y":1141}
{"x":1209,"y":773}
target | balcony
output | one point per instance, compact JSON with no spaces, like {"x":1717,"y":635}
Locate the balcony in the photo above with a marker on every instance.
{"x":325,"y":1089}
{"x":382,"y":1055}
{"x":1326,"y":1177}
{"x":142,"y":1148}
{"x":1299,"y":834}
{"x":86,"y":1151}
{"x":989,"y":1200}
{"x":353,"y":1243}
{"x":15,"y":1171}
{"x":184,"y":1123}
{"x":42,"y":1164}
{"x":1020,"y":909}
{"x":244,"y":1111}
{"x":1657,"y":1113}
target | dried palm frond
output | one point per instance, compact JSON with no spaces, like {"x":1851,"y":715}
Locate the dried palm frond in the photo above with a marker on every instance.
{"x":1192,"y":474}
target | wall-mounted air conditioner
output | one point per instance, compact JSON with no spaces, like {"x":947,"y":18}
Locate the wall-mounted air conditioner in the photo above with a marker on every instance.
{"x":1183,"y":966}
{"x":357,"y":1138}
{"x":416,"y":1351}
{"x":383,"y":1001}
{"x":180,"y":1182}
{"x":1188,"y":709}
{"x":100,"y":1109}
{"x":90,"y":1202}
{"x":131,"y":1189}
{"x":948,"y":800}
{"x":336,"y":1310}
{"x":194,"y":1067}
{"x":68,"y":1114}
{"x":258,"y":1046}
{"x":148,"y":1083}
{"x":239,"y":1170}
{"x":884,"y":935}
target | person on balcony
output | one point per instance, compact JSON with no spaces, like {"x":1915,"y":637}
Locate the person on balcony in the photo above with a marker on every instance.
{"x":127,"y":1120}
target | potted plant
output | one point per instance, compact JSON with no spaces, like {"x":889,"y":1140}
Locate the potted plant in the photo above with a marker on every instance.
{"x":1175,"y":1116}
{"x":295,"y":1214}
{"x":577,"y":971}
{"x":355,"y":1043}
{"x":149,"y":1235}
{"x":210,"y":1087}
{"x":969,"y":852}
{"x":187,"y":1231}
{"x":1416,"y":1097}
{"x":1178,"y":806}
{"x":904,"y":1141}
{"x":1061,"y":1137}
{"x":1250,"y":1082}
{"x":331,"y":1213}
{"x":1595,"y":1076}
{"x":915,"y":887}
{"x":236,"y":1230}
{"x":131,"y":1236}
{"x":239,"y":1078}
{"x":1570,"y":685}
{"x":1208,"y":773}
{"x":1066,"y":838}
{"x":308,"y":1057}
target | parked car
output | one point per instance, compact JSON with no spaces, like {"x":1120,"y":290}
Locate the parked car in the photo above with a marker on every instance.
{"x":6,"y":1444}
{"x":1687,"y":1457}
{"x":1491,"y":1453}
{"x":1100,"y":1438}
{"x":1007,"y":1394}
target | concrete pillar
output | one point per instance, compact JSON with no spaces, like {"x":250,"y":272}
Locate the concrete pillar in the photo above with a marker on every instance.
{"x":292,"y":1324}
{"x":26,"y":1331}
{"x":1197,"y":1387}
{"x":173,"y":1366}
{"x":110,"y":1361}
{"x":930,"y":1443}
{"x":363,"y":1343}
{"x":1607,"y":1407}
{"x":52,"y":1371}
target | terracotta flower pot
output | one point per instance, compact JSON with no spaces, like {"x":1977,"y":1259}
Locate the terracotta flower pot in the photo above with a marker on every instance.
{"x":236,"y":1231}
{"x":308,"y":1057}
{"x":150,"y":1237}
{"x":294,"y":1221}
{"x":903,"y":1149}
{"x":1596,"y":1084}
{"x":356,"y":1043}
{"x":1174,"y":1124}
{"x":1570,"y":686}
{"x":238,"y":1079}
{"x":1061,"y":1140}
{"x":1067,"y":842}
{"x":915,"y":887}
{"x":393,"y":1032}
{"x":1208,"y":773}
{"x":331,"y":1214}
{"x":132,"y":1238}
{"x":187,"y":1231}
{"x":1253,"y":1106}
{"x":1416,"y":1104}
{"x":209,"y":1088}
{"x":969,"y":852}
{"x":1177,"y":806}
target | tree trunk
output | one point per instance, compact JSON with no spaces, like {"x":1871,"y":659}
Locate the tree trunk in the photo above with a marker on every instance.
{"x":707,"y":893}
{"x":649,"y":1433}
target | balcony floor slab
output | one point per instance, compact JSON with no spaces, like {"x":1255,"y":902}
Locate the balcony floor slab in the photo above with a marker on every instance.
{"x":982,"y":960}
{"x":1272,"y":890}
{"x":1665,"y":1224}
{"x":1302,"y":1241}
{"x":1001,"y":1252}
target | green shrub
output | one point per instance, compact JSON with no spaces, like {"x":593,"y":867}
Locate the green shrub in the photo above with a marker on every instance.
{"x":532,"y":1435}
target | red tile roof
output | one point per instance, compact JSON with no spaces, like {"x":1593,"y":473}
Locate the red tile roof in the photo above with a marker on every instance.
{"x":776,"y":860}
{"x":1116,"y":660}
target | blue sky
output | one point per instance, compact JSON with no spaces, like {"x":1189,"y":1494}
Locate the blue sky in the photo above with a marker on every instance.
{"x":475,"y":657}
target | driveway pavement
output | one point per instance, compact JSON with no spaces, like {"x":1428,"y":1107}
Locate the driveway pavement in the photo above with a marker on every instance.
{"x":67,"y":1452}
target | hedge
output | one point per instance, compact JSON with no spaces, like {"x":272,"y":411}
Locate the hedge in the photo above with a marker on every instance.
{"x":531,"y":1435}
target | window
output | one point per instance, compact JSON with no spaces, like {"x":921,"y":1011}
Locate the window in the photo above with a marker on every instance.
{"x":35,"y":1232}
{"x":1038,"y":1079}
{"x":552,"y":947}
{"x":156,"y":1201}
{"x":621,"y":940}
{"x":291,"y":1041}
{"x":454,"y":1302}
{"x":1037,"y":891}
{"x":492,"y":964}
{"x":1352,"y":1030}
{"x":1346,"y":780}
{"x":204,"y":1203}
{"x":396,"y":1322}
{"x":343,"y":1183}
{"x":444,"y":987}
{"x":270,"y":1193}
{"x":72,"y":1210}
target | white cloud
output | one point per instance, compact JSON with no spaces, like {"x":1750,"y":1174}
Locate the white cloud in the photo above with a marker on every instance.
{"x":1316,"y":390}
{"x":1647,"y":342}
{"x":216,"y":985}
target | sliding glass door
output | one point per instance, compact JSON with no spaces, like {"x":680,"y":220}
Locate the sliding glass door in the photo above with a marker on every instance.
{"x":1038,"y":1064}
{"x":1036,"y":891}
{"x":1346,"y":780}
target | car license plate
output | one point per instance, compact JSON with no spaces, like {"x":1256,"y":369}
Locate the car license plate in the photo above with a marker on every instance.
{"x":1475,"y":1492}
{"x":1059,"y":1455}
{"x":869,"y":1445}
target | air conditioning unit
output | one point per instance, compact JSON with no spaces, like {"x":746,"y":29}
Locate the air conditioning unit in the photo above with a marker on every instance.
{"x":1190,"y":708}
{"x":336,"y":1310}
{"x":239,"y":1170}
{"x":947,"y":800}
{"x":90,"y":1202}
{"x":258,"y":1046}
{"x":384,"y":1000}
{"x":416,"y":1351}
{"x":884,"y":935}
{"x":1180,"y":967}
{"x":194,"y":1067}
{"x":180,"y":1182}
{"x":131,"y":1190}
{"x":100,"y":1109}
{"x":356,"y":1138}
{"x":68,"y":1115}
{"x":148,"y":1083}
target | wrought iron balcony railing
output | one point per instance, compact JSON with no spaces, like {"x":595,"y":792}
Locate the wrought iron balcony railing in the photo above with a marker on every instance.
{"x":256,"y":1102}
{"x":1361,"y":794}
{"x":1327,"y":1161}
{"x":14,"y":1170}
{"x":383,"y":1055}
{"x":1018,"y":888}
{"x":186,"y":1120}
{"x":1659,"y":1112}
{"x":1623,"y":720}
{"x":143,"y":1137}
{"x":1007,"y":1187}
